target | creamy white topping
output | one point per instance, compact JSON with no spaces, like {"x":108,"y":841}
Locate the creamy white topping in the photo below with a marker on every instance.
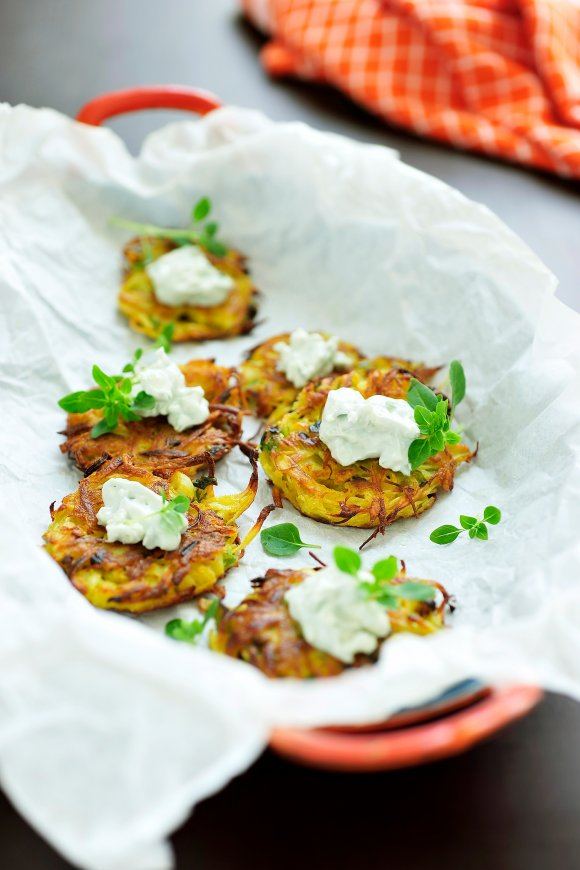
{"x":335,"y":616}
{"x":185,"y":276}
{"x":182,"y":405}
{"x":308,"y":355}
{"x":132,"y":512}
{"x":355,"y":428}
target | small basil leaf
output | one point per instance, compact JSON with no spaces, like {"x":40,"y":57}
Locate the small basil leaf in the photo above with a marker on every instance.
{"x":213,"y":246}
{"x":419,"y":452}
{"x":423,"y":418}
{"x":386,"y":569}
{"x":457,"y":378}
{"x":492,"y":515}
{"x":347,"y":560}
{"x":102,"y":379}
{"x":444,"y":534}
{"x":481,"y":531}
{"x":180,"y":503}
{"x":101,"y":428}
{"x":282,"y":539}
{"x":415,"y":591}
{"x":419,"y":394}
{"x":467,"y":522}
{"x":452,"y":437}
{"x":201,"y":209}
{"x":143,"y":401}
{"x":82,"y":400}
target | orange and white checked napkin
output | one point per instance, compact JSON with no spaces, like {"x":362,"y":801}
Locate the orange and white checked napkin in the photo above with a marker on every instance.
{"x":497,"y":76}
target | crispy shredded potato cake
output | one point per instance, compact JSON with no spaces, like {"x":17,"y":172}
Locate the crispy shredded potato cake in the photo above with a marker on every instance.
{"x":269,"y":394}
{"x":130,"y":577}
{"x":262,"y":632}
{"x":152,"y":442}
{"x":146,"y":314}
{"x":363,"y":494}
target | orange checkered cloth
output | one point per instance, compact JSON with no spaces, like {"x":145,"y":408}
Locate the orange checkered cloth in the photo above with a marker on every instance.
{"x":497,"y":76}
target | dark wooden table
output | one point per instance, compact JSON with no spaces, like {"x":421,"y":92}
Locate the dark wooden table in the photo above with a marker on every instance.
{"x":511,"y":804}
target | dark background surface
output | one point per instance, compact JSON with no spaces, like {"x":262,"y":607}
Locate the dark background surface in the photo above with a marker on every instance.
{"x":510,"y":804}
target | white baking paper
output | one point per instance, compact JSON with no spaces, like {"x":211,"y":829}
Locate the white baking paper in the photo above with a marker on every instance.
{"x":110,"y":732}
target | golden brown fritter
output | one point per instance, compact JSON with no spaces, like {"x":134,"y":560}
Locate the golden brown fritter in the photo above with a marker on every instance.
{"x":146,"y":314}
{"x":154,"y":444}
{"x":130,"y":577}
{"x":363,"y":494}
{"x":269,"y":394}
{"x":262,"y":632}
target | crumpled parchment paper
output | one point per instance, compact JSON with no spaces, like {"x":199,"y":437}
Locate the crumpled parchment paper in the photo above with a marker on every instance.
{"x":110,"y":732}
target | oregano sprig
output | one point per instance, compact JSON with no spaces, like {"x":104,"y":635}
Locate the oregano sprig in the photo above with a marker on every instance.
{"x":199,"y":232}
{"x":433,"y":416}
{"x":112,"y":396}
{"x":381,"y":588}
{"x":191,"y":632}
{"x":172,"y":512}
{"x":475,"y":528}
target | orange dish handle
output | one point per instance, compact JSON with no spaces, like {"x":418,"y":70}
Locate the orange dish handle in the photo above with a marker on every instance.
{"x":148,"y":97}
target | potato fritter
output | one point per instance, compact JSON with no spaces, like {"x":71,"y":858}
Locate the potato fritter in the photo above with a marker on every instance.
{"x":146,"y":314}
{"x":129,"y":577}
{"x":269,"y":394}
{"x":262,"y":632}
{"x":363,"y":494}
{"x":152,"y":442}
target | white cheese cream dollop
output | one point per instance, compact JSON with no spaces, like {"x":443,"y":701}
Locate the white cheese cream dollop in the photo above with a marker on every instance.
{"x":335,"y":616}
{"x":308,"y":355}
{"x":355,"y":428}
{"x":131,"y":513}
{"x":185,"y":276}
{"x":182,"y":405}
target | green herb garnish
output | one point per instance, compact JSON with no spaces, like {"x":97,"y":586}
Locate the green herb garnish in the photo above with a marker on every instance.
{"x":172,"y":512}
{"x":476,"y":528}
{"x":381,"y":588}
{"x":165,"y":338}
{"x":204,"y":234}
{"x":431,"y":413}
{"x":283,"y":540}
{"x":190,"y":632}
{"x":114,"y":399}
{"x":114,"y":394}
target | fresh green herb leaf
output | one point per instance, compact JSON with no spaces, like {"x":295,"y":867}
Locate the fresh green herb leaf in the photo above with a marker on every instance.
{"x":424,"y":418}
{"x":480,"y":531}
{"x":412,"y":591}
{"x":180,"y":503}
{"x":347,"y":560}
{"x":492,"y":515}
{"x":165,"y":338}
{"x":467,"y":522}
{"x":457,"y":378}
{"x":385,"y":569}
{"x":204,"y":235}
{"x":190,"y":632}
{"x":143,"y":401}
{"x":213,"y":246}
{"x":201,"y":209}
{"x":82,"y":400}
{"x":474,"y":527}
{"x":283,"y":539}
{"x":103,"y":380}
{"x":419,"y":394}
{"x":419,"y":452}
{"x":101,"y":428}
{"x":444,"y":534}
